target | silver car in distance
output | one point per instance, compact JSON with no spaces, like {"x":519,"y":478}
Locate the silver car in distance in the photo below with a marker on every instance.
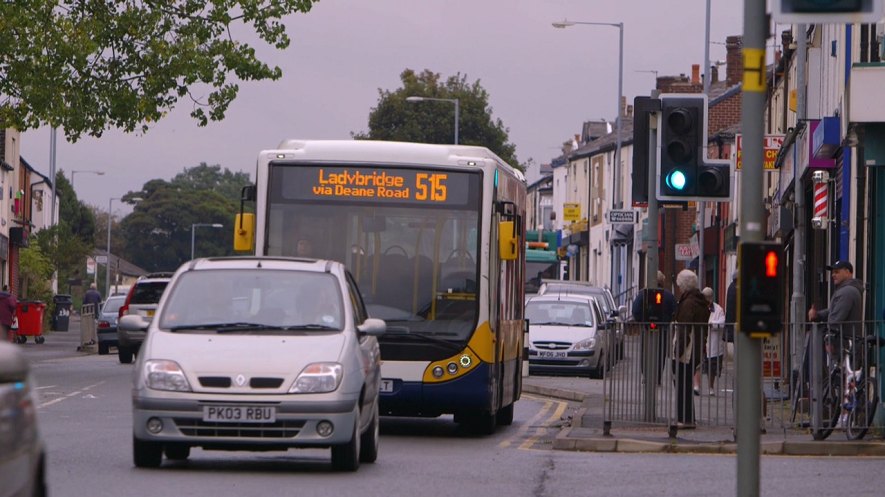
{"x":257,"y":353}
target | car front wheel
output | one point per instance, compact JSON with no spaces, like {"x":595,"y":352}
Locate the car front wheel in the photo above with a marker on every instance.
{"x":125,"y":355}
{"x":346,"y":457}
{"x":371,"y":439}
{"x":146,"y":454}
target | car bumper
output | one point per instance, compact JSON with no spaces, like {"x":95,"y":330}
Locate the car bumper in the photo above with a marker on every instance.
{"x":130,"y":338}
{"x":107,"y":335}
{"x":295,"y":424}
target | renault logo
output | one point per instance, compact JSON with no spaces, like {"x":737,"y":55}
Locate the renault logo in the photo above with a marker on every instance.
{"x":241,"y":380}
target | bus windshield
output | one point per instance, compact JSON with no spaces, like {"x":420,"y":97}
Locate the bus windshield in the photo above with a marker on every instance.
{"x":414,"y":259}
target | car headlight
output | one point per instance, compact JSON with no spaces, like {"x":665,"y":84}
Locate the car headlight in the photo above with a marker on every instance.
{"x":319,"y":377}
{"x":586,"y":344}
{"x":165,"y":375}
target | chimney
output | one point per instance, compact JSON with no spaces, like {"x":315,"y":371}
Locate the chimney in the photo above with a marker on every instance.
{"x":696,"y":73}
{"x":734,"y":71}
{"x":714,"y":74}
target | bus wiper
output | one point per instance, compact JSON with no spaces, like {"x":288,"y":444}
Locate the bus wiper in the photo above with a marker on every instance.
{"x":402,"y":331}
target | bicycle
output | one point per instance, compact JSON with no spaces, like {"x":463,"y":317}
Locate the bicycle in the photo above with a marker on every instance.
{"x":852,"y":392}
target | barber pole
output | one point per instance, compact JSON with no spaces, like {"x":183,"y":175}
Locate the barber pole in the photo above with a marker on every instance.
{"x":819,"y":217}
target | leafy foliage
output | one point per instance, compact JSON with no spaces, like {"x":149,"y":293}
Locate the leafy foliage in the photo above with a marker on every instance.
{"x":35,"y":272}
{"x":64,"y":250}
{"x":72,"y":212}
{"x":433,"y":121}
{"x":86,"y":66}
{"x":158,"y":232}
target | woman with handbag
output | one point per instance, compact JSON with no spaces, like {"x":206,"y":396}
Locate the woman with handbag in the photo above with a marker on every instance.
{"x":692,"y":315}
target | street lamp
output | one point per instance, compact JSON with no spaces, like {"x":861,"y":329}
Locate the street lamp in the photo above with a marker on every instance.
{"x":452,"y":100}
{"x":616,"y":185}
{"x":193,"y":226}
{"x":107,"y":275}
{"x":75,"y":171}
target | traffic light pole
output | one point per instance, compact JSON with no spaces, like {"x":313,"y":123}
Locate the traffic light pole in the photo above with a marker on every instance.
{"x":749,"y":350}
{"x":651,"y":274}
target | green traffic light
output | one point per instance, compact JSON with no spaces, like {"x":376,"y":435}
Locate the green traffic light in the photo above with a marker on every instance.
{"x":676,"y":180}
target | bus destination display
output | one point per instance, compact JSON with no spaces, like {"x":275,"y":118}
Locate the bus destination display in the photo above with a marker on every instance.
{"x":374,"y":184}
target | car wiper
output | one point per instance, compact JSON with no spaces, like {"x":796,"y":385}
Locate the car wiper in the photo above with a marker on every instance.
{"x":222,"y":327}
{"x":310,"y":327}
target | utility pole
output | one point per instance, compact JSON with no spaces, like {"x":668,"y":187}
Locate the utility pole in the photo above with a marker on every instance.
{"x":749,"y":350}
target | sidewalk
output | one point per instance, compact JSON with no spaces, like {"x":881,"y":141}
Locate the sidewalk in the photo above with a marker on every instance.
{"x":585,"y":432}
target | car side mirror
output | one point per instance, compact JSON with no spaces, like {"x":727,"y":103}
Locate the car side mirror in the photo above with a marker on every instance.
{"x":373,"y":327}
{"x":622,"y":312}
{"x":133,"y":322}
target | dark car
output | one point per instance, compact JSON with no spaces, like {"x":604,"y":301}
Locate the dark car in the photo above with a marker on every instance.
{"x":106,"y":325}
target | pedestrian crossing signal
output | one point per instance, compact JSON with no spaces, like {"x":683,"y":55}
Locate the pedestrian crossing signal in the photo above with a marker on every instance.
{"x":760,"y":288}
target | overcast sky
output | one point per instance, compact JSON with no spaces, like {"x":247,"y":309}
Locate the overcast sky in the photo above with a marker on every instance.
{"x":543,"y":82}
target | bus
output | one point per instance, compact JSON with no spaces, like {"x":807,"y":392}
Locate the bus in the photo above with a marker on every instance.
{"x":541,"y":258}
{"x":434,"y":236}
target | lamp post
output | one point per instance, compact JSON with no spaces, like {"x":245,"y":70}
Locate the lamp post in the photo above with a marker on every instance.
{"x":452,"y":100}
{"x":616,"y":170}
{"x":193,"y":231}
{"x":75,"y":171}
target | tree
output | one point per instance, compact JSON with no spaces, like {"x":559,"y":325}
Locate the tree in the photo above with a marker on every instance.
{"x":72,"y":212}
{"x":158,"y":231}
{"x":86,"y":66}
{"x":64,"y":250}
{"x":433,"y":122}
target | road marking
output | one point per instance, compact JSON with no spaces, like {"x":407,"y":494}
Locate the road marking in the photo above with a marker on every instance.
{"x":68,"y":396}
{"x":524,"y":429}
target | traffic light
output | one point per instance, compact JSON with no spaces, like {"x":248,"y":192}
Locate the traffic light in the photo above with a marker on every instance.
{"x":682,"y":133}
{"x":827,"y":11}
{"x":684,"y":172}
{"x":654,"y":306}
{"x":760,"y":288}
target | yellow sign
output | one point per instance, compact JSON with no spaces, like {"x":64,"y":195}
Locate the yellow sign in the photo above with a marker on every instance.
{"x":571,"y":212}
{"x":754,"y":70}
{"x":771,"y":145}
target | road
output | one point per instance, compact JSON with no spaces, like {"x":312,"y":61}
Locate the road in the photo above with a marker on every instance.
{"x":85,"y":417}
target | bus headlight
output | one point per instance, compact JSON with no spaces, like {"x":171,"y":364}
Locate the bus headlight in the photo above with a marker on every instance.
{"x":452,"y":368}
{"x":437,"y":372}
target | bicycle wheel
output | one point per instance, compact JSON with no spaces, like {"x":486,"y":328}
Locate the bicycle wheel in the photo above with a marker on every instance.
{"x":831,"y":405}
{"x":861,"y":415}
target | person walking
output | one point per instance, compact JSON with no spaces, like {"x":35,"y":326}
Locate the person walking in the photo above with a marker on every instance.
{"x":714,"y":350}
{"x":92,"y":297}
{"x":663,"y":327}
{"x":8,"y":304}
{"x":692,"y":314}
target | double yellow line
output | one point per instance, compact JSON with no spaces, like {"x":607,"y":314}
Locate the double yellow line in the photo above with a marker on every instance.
{"x":539,"y":429}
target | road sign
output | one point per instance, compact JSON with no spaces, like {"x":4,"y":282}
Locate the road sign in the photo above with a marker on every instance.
{"x":571,"y":212}
{"x":626,"y":216}
{"x":101,"y":259}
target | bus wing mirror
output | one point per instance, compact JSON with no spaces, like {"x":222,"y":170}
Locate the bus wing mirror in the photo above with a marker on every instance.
{"x":244,"y":232}
{"x":506,"y":241}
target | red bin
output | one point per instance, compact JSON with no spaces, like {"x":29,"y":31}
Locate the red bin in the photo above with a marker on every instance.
{"x":30,"y":320}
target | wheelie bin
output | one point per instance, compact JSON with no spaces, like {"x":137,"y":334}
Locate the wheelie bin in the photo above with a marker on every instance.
{"x":30,"y":321}
{"x":62,"y":315}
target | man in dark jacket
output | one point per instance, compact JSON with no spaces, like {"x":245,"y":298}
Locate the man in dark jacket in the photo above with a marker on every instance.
{"x":689,"y":323}
{"x":845,"y":312}
{"x":8,"y":303}
{"x":731,"y":308}
{"x":663,"y":327}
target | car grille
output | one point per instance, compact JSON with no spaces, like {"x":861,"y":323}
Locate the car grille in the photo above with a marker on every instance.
{"x":552,"y":345}
{"x":226,"y":382}
{"x":198,"y":428}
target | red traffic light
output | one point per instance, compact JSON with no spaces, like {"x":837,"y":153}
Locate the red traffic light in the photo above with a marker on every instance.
{"x":771,"y":264}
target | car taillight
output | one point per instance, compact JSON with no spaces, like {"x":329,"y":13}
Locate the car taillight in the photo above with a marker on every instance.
{"x":124,"y":310}
{"x":104,"y":324}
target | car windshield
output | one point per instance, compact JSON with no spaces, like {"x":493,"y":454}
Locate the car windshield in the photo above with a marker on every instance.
{"x":232,"y":300}
{"x":559,"y":313}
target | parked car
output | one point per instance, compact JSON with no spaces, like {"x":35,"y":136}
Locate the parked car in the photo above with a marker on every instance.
{"x":106,"y":326}
{"x":257,"y":353}
{"x":142,"y":300}
{"x":568,"y":334}
{"x":612,"y":312}
{"x":22,"y":453}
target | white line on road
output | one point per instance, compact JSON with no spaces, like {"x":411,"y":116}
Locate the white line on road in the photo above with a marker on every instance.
{"x":68,"y":396}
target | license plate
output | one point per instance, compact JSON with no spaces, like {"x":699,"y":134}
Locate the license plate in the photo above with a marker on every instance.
{"x":240,"y":414}
{"x":150,"y":313}
{"x":386,"y":386}
{"x":553,"y":354}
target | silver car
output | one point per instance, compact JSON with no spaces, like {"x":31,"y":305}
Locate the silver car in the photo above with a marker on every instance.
{"x":257,"y":353}
{"x":106,"y":325}
{"x":22,"y":455}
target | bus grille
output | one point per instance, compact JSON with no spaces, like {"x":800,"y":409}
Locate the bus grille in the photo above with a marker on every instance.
{"x":199,"y":428}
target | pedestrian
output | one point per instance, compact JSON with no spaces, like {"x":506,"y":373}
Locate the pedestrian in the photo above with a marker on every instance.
{"x":662,"y":328}
{"x":8,"y":303}
{"x":844,"y":315}
{"x":304,"y":248}
{"x":714,"y":350}
{"x":731,"y":308}
{"x":692,"y":315}
{"x":92,"y":297}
